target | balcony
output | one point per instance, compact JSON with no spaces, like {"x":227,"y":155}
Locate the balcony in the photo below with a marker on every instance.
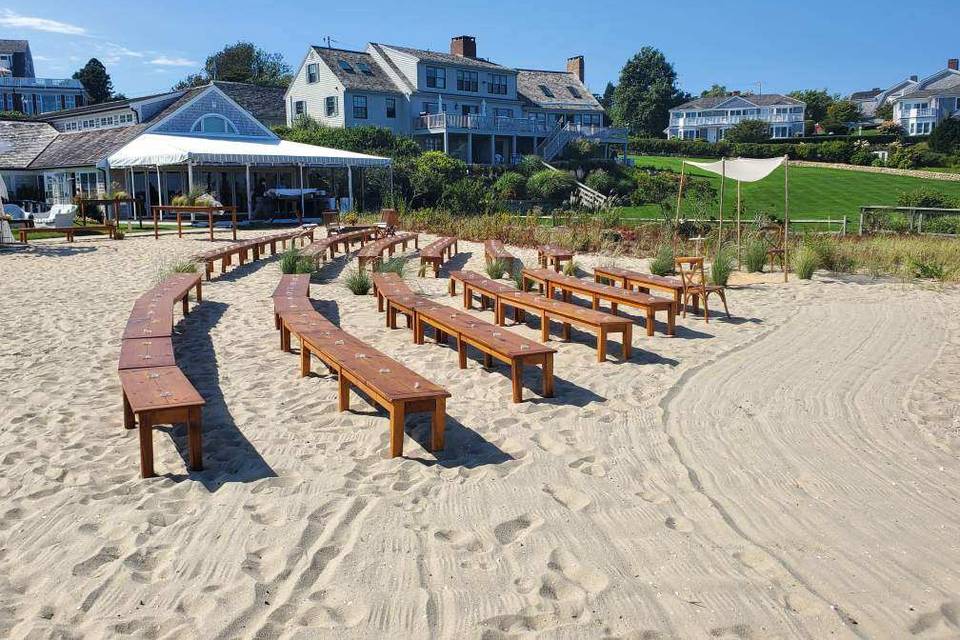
{"x":40,"y":83}
{"x":476,"y":123}
{"x":918,"y":113}
{"x":776,"y":118}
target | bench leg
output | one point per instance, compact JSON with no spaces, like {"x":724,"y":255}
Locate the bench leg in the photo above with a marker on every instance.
{"x":566,"y":332}
{"x":544,"y":327}
{"x":672,"y":321}
{"x":304,"y":360}
{"x":627,"y":347}
{"x":195,"y":438}
{"x":548,"y":375}
{"x":516,"y":379}
{"x":487,"y":360}
{"x":452,"y":287}
{"x":199,"y":293}
{"x":651,"y":318}
{"x":129,"y":422}
{"x":146,"y":447}
{"x":397,"y":418}
{"x":186,"y":304}
{"x":343,"y":398}
{"x":461,"y":353}
{"x":601,"y":345}
{"x":438,"y":425}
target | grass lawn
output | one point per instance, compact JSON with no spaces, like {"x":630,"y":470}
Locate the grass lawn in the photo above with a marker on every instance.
{"x":815,"y":193}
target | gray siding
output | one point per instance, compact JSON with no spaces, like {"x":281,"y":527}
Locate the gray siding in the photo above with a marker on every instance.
{"x":211,"y":101}
{"x":377,"y":111}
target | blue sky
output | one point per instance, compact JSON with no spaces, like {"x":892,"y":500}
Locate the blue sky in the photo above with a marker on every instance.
{"x":843,"y":46}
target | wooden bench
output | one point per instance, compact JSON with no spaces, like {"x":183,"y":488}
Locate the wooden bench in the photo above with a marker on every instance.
{"x":437,"y":252}
{"x":487,"y":289}
{"x":551,"y":253}
{"x":154,"y":390}
{"x":395,"y":297}
{"x":318,"y":249}
{"x":161,"y":395}
{"x":24,"y":233}
{"x":292,"y":285}
{"x":493,"y":250}
{"x":384,"y":380}
{"x":493,"y":341}
{"x":373,"y":252}
{"x":597,"y":292}
{"x":256,"y":246}
{"x":642,"y":282}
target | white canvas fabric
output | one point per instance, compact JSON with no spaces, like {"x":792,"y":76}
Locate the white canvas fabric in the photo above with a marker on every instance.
{"x":152,"y":149}
{"x":741,"y":169}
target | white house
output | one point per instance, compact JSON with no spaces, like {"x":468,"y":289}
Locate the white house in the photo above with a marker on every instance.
{"x":919,"y":107}
{"x":710,"y":118}
{"x":21,"y":90}
{"x":457,"y":102}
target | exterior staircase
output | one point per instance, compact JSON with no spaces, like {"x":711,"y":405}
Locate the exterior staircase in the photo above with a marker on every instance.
{"x":589,"y":197}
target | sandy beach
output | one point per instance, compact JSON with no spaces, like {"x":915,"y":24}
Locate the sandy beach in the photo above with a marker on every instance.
{"x":789,"y":473}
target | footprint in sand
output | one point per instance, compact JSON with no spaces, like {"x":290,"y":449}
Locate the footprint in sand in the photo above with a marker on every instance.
{"x":653,"y":496}
{"x":568,"y":497}
{"x":679,"y":523}
{"x":944,"y":621}
{"x":510,"y":531}
{"x":589,"y":466}
{"x":459,"y":539}
{"x":740,"y":631}
{"x":104,"y":556}
{"x":549,"y":444}
{"x":564,"y":563}
{"x":757,"y":560}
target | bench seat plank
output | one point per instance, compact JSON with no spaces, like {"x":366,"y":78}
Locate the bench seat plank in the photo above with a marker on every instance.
{"x":140,"y":353}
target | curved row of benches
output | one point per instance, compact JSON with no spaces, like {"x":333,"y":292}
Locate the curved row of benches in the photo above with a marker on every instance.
{"x":356,"y":364}
{"x":373,"y":252}
{"x":320,"y":248}
{"x":155,"y":391}
{"x":255,"y":246}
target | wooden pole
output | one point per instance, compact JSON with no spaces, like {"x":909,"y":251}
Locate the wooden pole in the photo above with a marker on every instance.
{"x":723,"y":180}
{"x":249,"y":196}
{"x":738,"y":225}
{"x":156,"y":229}
{"x":210,"y":222}
{"x":680,"y":191}
{"x":303,"y":200}
{"x":786,"y":217}
{"x":179,"y":225}
{"x":233,"y":211}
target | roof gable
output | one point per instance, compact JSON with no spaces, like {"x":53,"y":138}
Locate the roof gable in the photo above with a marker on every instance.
{"x":180,"y":117}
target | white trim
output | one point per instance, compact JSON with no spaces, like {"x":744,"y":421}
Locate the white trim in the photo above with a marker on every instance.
{"x":211,"y":87}
{"x":225,"y":134}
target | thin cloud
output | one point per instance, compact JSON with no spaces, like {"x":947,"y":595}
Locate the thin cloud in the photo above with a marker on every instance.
{"x":17,"y":21}
{"x":166,"y":61}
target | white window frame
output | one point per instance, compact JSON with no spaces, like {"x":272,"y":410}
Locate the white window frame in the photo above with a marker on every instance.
{"x":389,"y":103}
{"x":228,"y":124}
{"x":327,"y":111}
{"x":313,"y":70}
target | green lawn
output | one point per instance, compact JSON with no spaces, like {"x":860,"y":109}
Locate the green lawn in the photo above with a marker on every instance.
{"x":815,"y":193}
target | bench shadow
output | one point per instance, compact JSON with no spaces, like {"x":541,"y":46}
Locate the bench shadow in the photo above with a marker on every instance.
{"x":66,"y":249}
{"x":329,"y":309}
{"x":237,"y":271}
{"x":227,"y":454}
{"x":456,"y":263}
{"x":332,"y":269}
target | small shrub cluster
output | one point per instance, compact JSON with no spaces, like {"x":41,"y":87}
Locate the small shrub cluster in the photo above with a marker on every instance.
{"x":291,"y":261}
{"x":663,"y":263}
{"x":754,"y":255}
{"x":496,"y":268}
{"x":723,"y":265}
{"x":359,"y":282}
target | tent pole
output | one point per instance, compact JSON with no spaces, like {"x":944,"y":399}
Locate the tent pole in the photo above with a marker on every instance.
{"x":303,"y":201}
{"x":723,"y":181}
{"x":159,"y":188}
{"x":249,"y":195}
{"x":189,"y":176}
{"x":350,"y":185}
{"x":738,"y":225}
{"x":786,"y":215}
{"x":683,"y":165}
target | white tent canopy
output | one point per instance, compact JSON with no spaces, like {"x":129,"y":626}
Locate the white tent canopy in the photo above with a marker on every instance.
{"x":156,"y":150}
{"x":741,"y":169}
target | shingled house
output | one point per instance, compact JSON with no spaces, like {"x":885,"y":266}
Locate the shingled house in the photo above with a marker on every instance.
{"x":21,"y":90}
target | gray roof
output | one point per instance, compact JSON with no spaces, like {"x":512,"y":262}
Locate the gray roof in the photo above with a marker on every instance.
{"x":929,"y":93}
{"x":14,"y":46}
{"x":377,"y":80}
{"x":765,"y":100}
{"x":393,"y":67}
{"x":266,"y":104}
{"x":866,"y":95}
{"x":97,"y":108}
{"x":559,"y":83}
{"x":448,"y":58}
{"x":28,"y":140}
{"x":86,"y":148}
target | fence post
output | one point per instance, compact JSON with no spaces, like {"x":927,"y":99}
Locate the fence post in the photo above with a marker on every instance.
{"x":920,"y":222}
{"x":860,"y":230}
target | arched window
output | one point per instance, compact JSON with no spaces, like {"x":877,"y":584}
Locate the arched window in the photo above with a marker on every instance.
{"x":214,"y":123}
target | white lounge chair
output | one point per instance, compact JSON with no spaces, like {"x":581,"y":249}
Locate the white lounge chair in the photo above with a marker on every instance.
{"x":60,"y":215}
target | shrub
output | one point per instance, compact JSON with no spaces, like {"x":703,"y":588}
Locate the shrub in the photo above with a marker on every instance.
{"x":292,"y":262}
{"x":397,"y":265}
{"x":890,"y":127}
{"x":723,"y":265}
{"x":609,"y":218}
{"x":359,"y":282}
{"x":835,"y":151}
{"x":663,"y":263}
{"x":518,"y":278}
{"x":529,"y":165}
{"x":581,"y":149}
{"x":925,"y":197}
{"x":432,"y":172}
{"x":465,"y":196}
{"x":496,"y":268}
{"x":118,"y":234}
{"x":755,"y":255}
{"x":945,"y":136}
{"x":602,"y":181}
{"x":511,"y":186}
{"x":862,"y":157}
{"x":570,"y":268}
{"x":551,"y":186}
{"x":942,"y":224}
{"x":804,"y":262}
{"x":926,"y":265}
{"x":749,"y":131}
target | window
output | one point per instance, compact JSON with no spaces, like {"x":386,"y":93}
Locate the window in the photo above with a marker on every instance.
{"x":689,"y":134}
{"x":364,"y":68}
{"x":468,"y":80}
{"x":573,"y":92}
{"x":391,"y":107}
{"x":345,"y":66}
{"x":299,"y":108}
{"x":546,"y":91}
{"x":503,"y":113}
{"x":498,"y":84}
{"x":312,"y":72}
{"x":6,"y":61}
{"x":436,"y":77}
{"x":214,"y":123}
{"x":330,"y":106}
{"x":360,"y":107}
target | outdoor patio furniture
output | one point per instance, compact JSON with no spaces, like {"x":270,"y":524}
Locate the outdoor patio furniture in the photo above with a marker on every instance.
{"x":437,"y":252}
{"x":695,"y":285}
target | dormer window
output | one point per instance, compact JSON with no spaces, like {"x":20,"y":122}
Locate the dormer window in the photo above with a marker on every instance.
{"x":546,"y":91}
{"x":214,"y":123}
{"x":345,"y":66}
{"x":364,"y":68}
{"x":573,"y":92}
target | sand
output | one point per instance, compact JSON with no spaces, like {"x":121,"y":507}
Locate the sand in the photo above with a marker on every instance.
{"x":792,"y":473}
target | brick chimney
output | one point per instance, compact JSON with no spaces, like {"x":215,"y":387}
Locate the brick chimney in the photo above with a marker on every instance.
{"x":575,"y":66}
{"x":953,"y":63}
{"x":463,"y":46}
{"x":735,"y":93}
{"x":914,"y":78}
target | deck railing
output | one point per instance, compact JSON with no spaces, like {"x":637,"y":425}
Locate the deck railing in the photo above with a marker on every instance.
{"x":479,"y":123}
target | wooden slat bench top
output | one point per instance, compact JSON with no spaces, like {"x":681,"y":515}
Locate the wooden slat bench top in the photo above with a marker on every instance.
{"x":630,"y":276}
{"x":606,"y":291}
{"x":558,"y":308}
{"x":494,"y":248}
{"x":554,"y":251}
{"x":293,"y":284}
{"x":375,"y":249}
{"x":295,"y":304}
{"x":497,"y":338}
{"x":157,"y":325}
{"x":481,"y":283}
{"x":158,"y":388}
{"x":436,"y":248}
{"x":140,"y":353}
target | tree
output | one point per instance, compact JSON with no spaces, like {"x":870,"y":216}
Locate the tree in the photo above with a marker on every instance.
{"x":606,"y":100}
{"x":884,"y":111}
{"x":843,"y":111}
{"x":646,"y":91}
{"x":945,"y":136}
{"x":715,"y":91}
{"x":748,"y":131}
{"x":95,"y":80}
{"x":242,"y":62}
{"x":817,"y":101}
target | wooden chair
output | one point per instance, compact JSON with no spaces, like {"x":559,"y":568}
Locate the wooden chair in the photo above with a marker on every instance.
{"x":390,"y":221}
{"x":695,"y":285}
{"x":772,"y":234}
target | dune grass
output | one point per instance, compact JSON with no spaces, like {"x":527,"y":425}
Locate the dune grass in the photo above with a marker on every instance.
{"x":815,"y":192}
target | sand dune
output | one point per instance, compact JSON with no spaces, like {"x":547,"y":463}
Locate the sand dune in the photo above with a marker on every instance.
{"x":790,"y":473}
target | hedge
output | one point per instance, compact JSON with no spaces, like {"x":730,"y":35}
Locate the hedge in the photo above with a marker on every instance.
{"x":835,"y":149}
